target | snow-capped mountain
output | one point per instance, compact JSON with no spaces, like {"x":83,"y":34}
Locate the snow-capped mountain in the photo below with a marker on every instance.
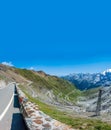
{"x":106,"y":71}
{"x":86,"y":80}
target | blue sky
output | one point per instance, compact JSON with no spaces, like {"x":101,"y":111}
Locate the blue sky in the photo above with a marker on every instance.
{"x":59,"y":37}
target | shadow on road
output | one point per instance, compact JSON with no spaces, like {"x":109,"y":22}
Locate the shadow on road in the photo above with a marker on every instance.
{"x":16,"y":102}
{"x":18,"y":122}
{"x":17,"y":118}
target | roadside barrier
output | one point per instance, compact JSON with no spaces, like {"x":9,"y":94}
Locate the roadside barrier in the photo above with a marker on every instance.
{"x":36,"y":119}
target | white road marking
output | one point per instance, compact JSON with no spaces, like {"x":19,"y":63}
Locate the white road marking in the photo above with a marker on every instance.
{"x":6,"y":109}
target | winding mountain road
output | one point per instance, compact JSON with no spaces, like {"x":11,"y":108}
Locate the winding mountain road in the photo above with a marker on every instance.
{"x":10,"y":116}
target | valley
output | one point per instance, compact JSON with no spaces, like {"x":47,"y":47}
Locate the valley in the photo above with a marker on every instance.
{"x":61,"y":99}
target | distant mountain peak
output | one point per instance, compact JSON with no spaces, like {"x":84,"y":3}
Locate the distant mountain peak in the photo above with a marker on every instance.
{"x":106,"y":71}
{"x":86,"y":80}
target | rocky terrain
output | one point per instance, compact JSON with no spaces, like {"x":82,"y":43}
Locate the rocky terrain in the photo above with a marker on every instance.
{"x":62,"y":94}
{"x":90,"y":84}
{"x":90,"y":97}
{"x":47,"y":88}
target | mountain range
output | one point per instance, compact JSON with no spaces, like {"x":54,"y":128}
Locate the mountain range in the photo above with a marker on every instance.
{"x":84,"y":81}
{"x":59,"y":92}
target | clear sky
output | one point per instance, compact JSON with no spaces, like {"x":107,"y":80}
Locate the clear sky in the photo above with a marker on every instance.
{"x":56,"y":36}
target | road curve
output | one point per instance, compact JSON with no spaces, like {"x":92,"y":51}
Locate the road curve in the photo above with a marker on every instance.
{"x":10,"y":116}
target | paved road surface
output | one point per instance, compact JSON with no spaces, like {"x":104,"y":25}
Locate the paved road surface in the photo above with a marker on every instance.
{"x":10,"y":117}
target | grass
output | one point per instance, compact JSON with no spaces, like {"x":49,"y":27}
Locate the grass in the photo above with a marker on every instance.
{"x":57,"y":85}
{"x":64,"y":117}
{"x":88,"y":93}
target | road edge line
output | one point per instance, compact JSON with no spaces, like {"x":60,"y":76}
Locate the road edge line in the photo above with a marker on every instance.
{"x":6,"y":109}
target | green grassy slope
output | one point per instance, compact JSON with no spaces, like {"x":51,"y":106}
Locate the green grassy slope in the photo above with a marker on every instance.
{"x":48,"y":82}
{"x":90,"y":92}
{"x":64,"y":117}
{"x":41,"y":81}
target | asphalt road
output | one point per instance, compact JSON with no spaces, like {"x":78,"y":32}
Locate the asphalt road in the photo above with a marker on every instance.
{"x":10,"y":116}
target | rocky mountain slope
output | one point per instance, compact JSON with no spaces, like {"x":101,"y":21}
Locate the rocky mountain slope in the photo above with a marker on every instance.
{"x":61,"y":93}
{"x":47,"y":88}
{"x":57,"y":91}
{"x":90,"y":97}
{"x":87,"y":80}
